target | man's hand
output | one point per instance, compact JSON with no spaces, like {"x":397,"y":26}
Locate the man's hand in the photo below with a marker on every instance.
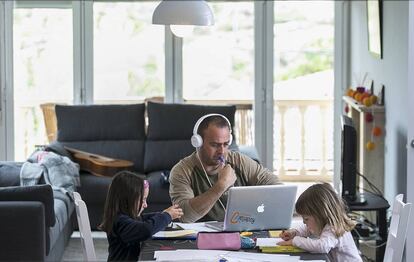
{"x":226,"y":177}
{"x":175,"y":211}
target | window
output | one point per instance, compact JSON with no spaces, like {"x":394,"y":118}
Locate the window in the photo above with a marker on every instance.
{"x":128,"y":52}
{"x":218,"y":63}
{"x":43,"y":71}
{"x":303,"y":88}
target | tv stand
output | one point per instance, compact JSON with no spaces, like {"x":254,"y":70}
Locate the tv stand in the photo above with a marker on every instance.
{"x":380,"y":206}
{"x":358,"y":199}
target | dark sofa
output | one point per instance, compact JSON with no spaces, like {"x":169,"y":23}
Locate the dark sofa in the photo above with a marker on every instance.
{"x":154,"y":144}
{"x":35,"y":222}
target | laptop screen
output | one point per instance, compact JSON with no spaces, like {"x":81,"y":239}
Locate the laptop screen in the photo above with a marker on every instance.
{"x":260,"y":207}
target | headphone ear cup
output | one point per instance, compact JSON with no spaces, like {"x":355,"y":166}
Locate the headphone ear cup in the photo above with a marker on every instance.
{"x":196,"y":140}
{"x":231,"y":139}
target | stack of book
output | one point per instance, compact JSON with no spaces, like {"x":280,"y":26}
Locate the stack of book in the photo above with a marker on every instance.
{"x":269,"y":245}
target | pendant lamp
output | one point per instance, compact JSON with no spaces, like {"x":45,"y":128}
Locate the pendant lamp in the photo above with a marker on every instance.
{"x":183,"y":15}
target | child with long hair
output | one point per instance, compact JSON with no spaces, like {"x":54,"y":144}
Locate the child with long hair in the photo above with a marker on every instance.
{"x":122,"y":221}
{"x":326,"y":226}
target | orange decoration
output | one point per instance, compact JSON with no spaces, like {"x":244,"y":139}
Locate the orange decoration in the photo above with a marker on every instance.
{"x":370,"y":146}
{"x":358,"y":97}
{"x":364,"y":95}
{"x":367,"y":102}
{"x":376,"y":131}
{"x":373,"y":99}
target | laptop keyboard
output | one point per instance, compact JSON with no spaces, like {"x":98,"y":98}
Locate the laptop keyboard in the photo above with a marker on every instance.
{"x":215,"y":225}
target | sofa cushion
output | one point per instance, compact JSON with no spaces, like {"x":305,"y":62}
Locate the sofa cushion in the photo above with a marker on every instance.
{"x":176,"y":121}
{"x":159,"y":188}
{"x":62,"y":217}
{"x":41,"y":193}
{"x":58,"y":148}
{"x":131,"y":150}
{"x":93,"y":189}
{"x":100,"y":122}
{"x":170,"y":127}
{"x":164,"y":154}
{"x":10,"y":173}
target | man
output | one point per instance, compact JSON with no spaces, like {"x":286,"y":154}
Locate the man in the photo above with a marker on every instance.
{"x":199,"y":182}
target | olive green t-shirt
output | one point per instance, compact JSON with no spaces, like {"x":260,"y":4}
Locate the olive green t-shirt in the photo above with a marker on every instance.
{"x":188,"y":180}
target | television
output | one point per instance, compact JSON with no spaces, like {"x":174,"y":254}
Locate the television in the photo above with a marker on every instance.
{"x":349,"y":163}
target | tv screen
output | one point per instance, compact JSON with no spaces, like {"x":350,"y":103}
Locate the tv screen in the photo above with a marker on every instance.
{"x":349,"y":162}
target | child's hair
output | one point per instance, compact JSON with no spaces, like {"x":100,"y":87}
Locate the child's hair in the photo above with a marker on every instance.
{"x":321,"y":202}
{"x":125,"y":193}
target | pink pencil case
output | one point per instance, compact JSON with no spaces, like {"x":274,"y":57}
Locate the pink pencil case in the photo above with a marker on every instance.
{"x":219,"y":240}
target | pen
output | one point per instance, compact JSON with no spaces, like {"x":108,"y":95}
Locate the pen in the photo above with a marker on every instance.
{"x":222,"y":259}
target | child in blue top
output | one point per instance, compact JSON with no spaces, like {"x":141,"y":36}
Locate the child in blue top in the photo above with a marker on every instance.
{"x":122,"y":221}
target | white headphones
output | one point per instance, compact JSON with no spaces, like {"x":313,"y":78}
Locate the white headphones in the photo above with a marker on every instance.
{"x":197,"y":140}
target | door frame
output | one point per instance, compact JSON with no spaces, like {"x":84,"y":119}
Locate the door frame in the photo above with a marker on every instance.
{"x":410,"y":129}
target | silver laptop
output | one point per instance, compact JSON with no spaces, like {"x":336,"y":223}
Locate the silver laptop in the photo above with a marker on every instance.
{"x":258,"y":208}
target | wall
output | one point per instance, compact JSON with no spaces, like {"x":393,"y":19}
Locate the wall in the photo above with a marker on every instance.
{"x":391,"y":71}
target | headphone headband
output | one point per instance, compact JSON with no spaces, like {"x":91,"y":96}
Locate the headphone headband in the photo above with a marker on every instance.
{"x":201,"y":119}
{"x":197,"y":140}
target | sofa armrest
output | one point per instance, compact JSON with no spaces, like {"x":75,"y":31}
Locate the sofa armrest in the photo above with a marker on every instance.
{"x":22,"y":231}
{"x":10,"y":173}
{"x":41,"y":193}
{"x":250,"y":151}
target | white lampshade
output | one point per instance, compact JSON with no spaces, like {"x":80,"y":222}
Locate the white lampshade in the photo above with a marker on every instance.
{"x":171,"y":12}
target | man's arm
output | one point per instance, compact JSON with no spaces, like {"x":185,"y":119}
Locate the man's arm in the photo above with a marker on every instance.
{"x":256,"y":173}
{"x":194,"y":208}
{"x":203,"y":203}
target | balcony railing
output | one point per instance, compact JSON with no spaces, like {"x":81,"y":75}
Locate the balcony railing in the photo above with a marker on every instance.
{"x":302,"y":137}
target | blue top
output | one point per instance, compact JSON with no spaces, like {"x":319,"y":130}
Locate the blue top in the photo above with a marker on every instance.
{"x":127,"y":234}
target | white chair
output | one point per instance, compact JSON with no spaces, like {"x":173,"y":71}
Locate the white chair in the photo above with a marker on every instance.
{"x":84,"y":228}
{"x":76,"y":196}
{"x":398,"y":230}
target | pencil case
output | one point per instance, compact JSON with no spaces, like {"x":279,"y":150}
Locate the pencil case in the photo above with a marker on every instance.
{"x":219,"y":240}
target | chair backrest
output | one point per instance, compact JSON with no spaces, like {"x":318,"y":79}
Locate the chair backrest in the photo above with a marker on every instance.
{"x":76,"y":196}
{"x":84,"y":229}
{"x":49,"y":117}
{"x":398,"y":230}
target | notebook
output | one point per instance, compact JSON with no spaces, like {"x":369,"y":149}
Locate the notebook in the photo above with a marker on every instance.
{"x":258,"y":208}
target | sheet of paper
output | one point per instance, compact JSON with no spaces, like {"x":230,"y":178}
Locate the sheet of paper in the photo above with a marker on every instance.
{"x":247,"y":256}
{"x":175,"y":233}
{"x":189,"y":254}
{"x":199,"y":227}
{"x":268,"y":242}
{"x":216,"y":255}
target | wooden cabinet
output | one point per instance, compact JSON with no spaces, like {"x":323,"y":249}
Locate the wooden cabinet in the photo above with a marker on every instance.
{"x":369,"y":163}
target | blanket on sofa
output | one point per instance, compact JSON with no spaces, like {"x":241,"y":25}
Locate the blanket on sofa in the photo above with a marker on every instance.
{"x":58,"y":171}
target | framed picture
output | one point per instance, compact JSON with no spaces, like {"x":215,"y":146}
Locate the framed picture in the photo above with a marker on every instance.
{"x":374,"y":18}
